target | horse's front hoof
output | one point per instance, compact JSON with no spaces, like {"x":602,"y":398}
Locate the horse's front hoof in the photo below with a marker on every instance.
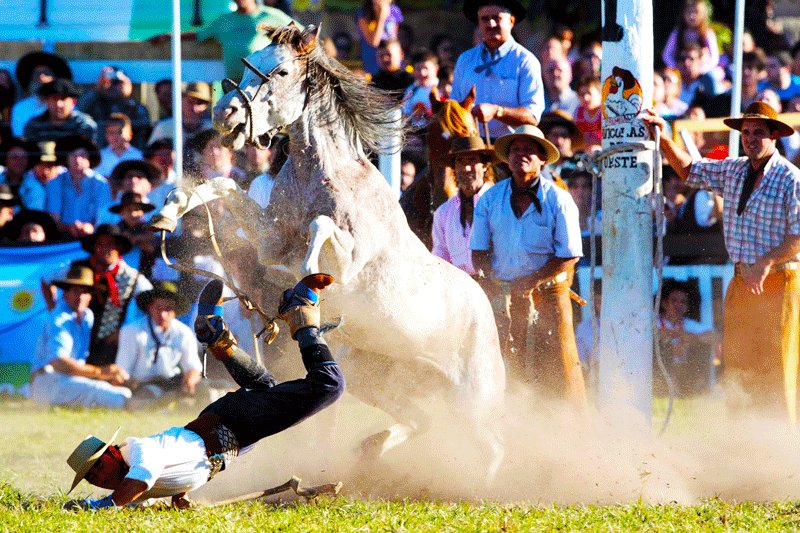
{"x":161,"y":223}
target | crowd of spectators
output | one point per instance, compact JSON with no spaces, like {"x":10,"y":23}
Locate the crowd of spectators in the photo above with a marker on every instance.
{"x":91,"y":163}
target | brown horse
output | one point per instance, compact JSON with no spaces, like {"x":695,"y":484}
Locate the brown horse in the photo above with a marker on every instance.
{"x":450,"y":119}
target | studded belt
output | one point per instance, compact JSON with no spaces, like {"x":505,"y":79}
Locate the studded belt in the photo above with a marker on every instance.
{"x":739,"y":268}
{"x":552,"y":282}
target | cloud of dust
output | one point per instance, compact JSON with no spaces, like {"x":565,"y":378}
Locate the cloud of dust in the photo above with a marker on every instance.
{"x":552,"y":455}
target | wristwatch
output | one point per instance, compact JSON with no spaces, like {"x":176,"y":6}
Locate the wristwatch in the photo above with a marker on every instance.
{"x":500,"y":111}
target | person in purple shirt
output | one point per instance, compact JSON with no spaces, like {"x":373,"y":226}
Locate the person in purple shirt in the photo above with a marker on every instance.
{"x":377,"y":20}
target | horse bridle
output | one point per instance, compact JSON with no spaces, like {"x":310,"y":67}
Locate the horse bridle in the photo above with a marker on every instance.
{"x":229,"y":85}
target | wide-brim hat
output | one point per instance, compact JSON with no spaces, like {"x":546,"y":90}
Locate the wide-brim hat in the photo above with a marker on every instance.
{"x":6,"y":196}
{"x":198,"y":89}
{"x":107,"y":230}
{"x":132,"y":198}
{"x":33,"y":216}
{"x":163,"y":289}
{"x":526,"y":131}
{"x":86,"y":455}
{"x":67,"y":145}
{"x":471,"y":8}
{"x":79,"y":275}
{"x":760,"y":111}
{"x":61,"y":87}
{"x":29,"y":62}
{"x":151,"y":172}
{"x":45,"y":152}
{"x":562,"y":118}
{"x":469,"y":145}
{"x":15,"y":142}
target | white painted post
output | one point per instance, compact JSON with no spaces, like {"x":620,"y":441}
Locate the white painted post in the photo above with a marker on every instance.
{"x":177,"y":75}
{"x":389,"y":163}
{"x":625,"y":352}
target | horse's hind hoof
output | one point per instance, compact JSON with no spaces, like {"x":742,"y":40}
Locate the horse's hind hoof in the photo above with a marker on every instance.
{"x":161,"y":223}
{"x":372,"y":446}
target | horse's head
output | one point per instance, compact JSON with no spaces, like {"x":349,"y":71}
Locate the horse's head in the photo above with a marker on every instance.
{"x":273,"y":92}
{"x":450,"y":119}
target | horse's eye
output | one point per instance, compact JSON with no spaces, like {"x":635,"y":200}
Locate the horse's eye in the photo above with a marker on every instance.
{"x":283,"y":73}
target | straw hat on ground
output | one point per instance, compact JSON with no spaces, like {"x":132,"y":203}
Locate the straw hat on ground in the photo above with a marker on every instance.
{"x":526,"y":131}
{"x":86,"y":455}
{"x":760,"y":111}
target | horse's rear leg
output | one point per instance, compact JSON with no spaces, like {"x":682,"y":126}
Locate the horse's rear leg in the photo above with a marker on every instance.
{"x":323,"y":229}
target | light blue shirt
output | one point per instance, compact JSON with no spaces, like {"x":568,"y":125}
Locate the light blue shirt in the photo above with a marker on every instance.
{"x":63,"y":335}
{"x":31,"y":192}
{"x":511,"y":76}
{"x":70,"y":205}
{"x":521,"y":246}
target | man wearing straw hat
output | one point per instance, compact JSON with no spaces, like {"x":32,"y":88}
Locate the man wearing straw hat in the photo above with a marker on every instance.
{"x":181,"y":459}
{"x":761,"y":220}
{"x":526,"y":239}
{"x":60,"y":374}
{"x":452,"y":221}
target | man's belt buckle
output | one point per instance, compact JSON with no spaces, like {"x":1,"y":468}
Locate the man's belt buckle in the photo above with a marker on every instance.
{"x":552,"y":282}
{"x":740,"y":268}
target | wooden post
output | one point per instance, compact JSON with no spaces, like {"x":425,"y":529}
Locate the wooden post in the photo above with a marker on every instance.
{"x":625,"y":352}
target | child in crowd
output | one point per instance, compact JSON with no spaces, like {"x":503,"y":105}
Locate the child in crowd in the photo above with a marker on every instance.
{"x":119,"y":133}
{"x":589,"y":115}
{"x":416,"y":100}
{"x":694,"y":26}
{"x":445,"y":81}
{"x":377,"y":20}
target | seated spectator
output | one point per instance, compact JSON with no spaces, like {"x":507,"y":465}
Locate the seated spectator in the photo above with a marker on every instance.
{"x":45,"y":168}
{"x":161,"y":154}
{"x":377,"y":21}
{"x":416,"y":100}
{"x":158,"y":352}
{"x":118,"y":135}
{"x":445,"y":81}
{"x":254,"y":161}
{"x":559,"y":128}
{"x":752,"y":74}
{"x":558,"y":95}
{"x":132,"y":208}
{"x":261,"y":188}
{"x":788,"y":146}
{"x":194,"y":110}
{"x":115,"y":285}
{"x":667,"y":92}
{"x":32,"y":226}
{"x":391,"y":75}
{"x":685,"y":343}
{"x":34,"y":70}
{"x":61,"y":119}
{"x":693,"y":27}
{"x":589,"y":114}
{"x":780,"y":78}
{"x":163,"y":90}
{"x":8,"y":203}
{"x":588,"y":65}
{"x":579,"y":185}
{"x":216,"y":159}
{"x":113,"y":95}
{"x":76,"y":198}
{"x":14,"y":157}
{"x":8,"y":96}
{"x":343,"y":42}
{"x":452,"y":221}
{"x":410,"y":166}
{"x":694,"y":81}
{"x":134,"y":175}
{"x":60,"y":374}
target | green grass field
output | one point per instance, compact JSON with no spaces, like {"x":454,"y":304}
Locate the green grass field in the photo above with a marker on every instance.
{"x":34,"y":443}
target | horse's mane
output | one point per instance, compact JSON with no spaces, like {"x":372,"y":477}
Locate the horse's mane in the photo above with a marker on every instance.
{"x":369,"y":114}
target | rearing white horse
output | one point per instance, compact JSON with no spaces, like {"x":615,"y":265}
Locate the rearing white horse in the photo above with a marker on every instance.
{"x":414,"y":325}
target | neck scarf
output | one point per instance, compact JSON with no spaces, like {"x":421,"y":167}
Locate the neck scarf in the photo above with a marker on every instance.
{"x":522,"y":197}
{"x":467,"y":209}
{"x":749,"y":185}
{"x":110,"y":278}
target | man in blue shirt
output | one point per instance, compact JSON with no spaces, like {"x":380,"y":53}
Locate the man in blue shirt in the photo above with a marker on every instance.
{"x":507,"y":77}
{"x":60,"y":374}
{"x":525,"y":241}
